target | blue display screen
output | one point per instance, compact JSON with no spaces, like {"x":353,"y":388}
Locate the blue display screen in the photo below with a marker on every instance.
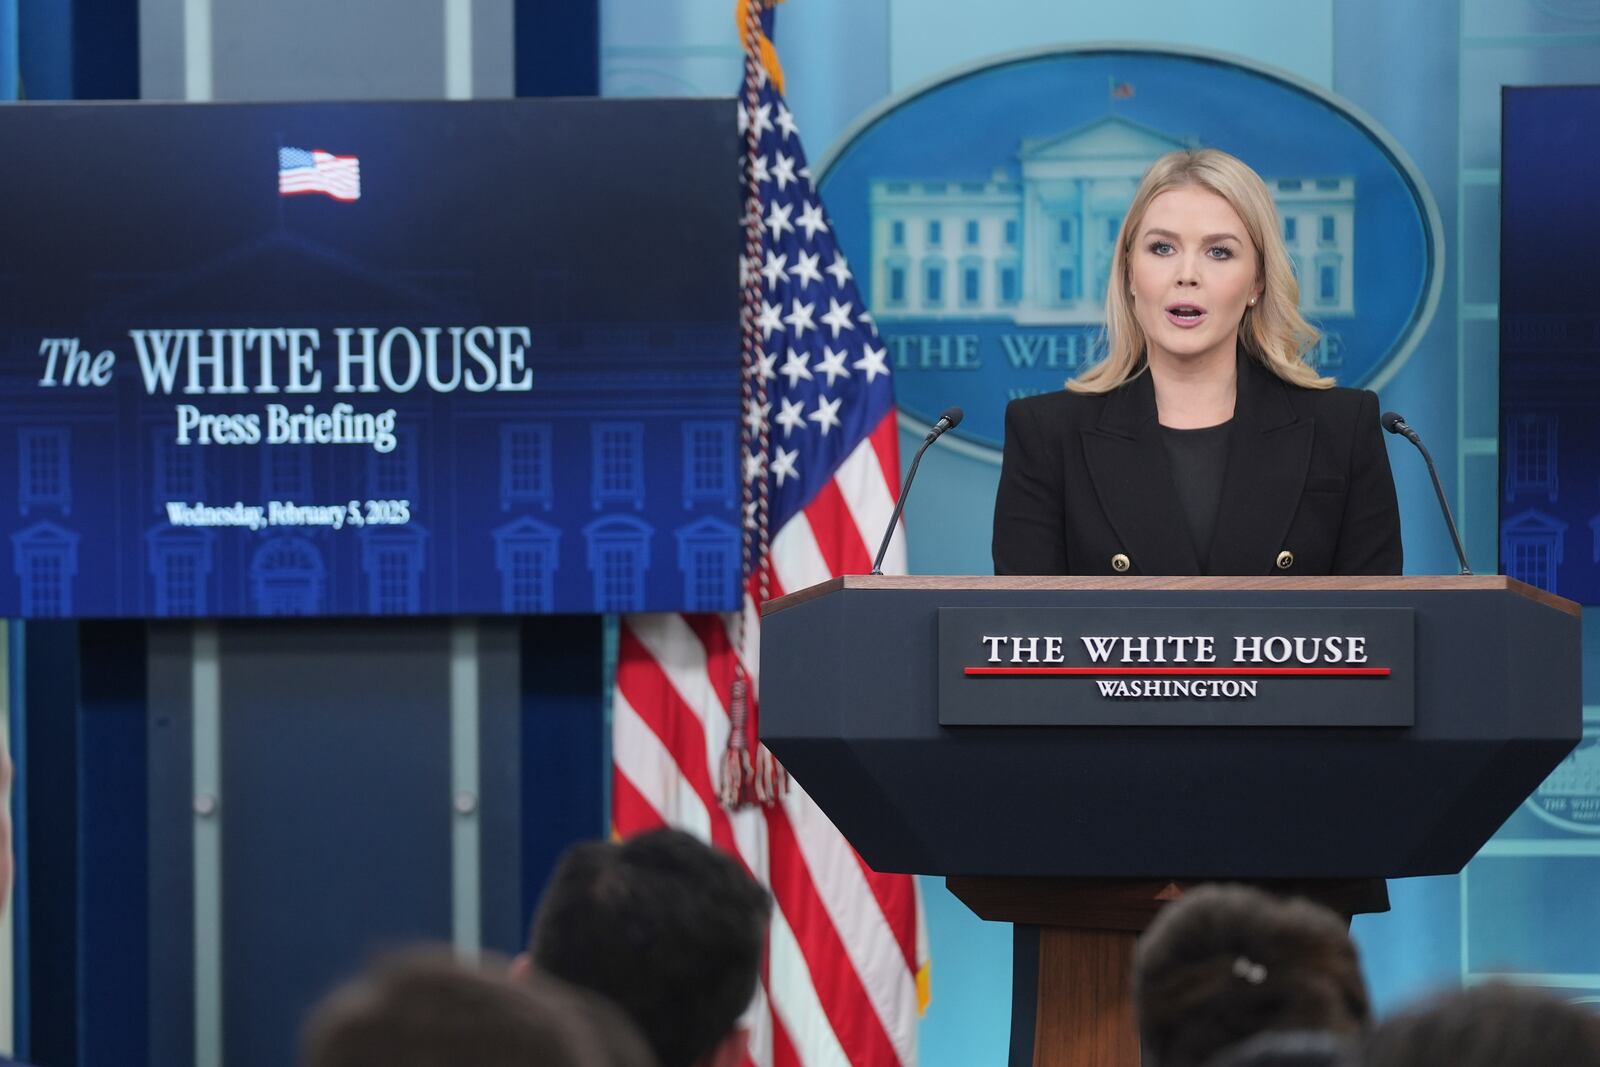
{"x":350,"y":359}
{"x":1549,"y":340}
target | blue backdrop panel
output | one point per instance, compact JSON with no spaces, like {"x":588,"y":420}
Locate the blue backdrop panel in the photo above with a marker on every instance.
{"x":335,"y":755}
{"x":565,"y":761}
{"x":50,"y":965}
{"x":557,"y":47}
{"x":169,"y":822}
{"x":113,"y":838}
{"x":1549,"y":324}
{"x":485,"y":360}
{"x":1506,"y":891}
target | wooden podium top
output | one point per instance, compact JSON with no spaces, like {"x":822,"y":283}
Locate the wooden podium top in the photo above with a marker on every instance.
{"x":1268,"y":583}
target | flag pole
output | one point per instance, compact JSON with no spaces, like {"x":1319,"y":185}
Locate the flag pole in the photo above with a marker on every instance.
{"x":737,"y":782}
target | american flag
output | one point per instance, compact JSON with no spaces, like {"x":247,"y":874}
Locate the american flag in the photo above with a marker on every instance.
{"x":302,"y":170}
{"x":846,"y":973}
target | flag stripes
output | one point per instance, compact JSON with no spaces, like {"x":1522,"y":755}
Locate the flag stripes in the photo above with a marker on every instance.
{"x":663,"y":772}
{"x":833,"y":975}
{"x":842,"y":548}
{"x":864,"y":933}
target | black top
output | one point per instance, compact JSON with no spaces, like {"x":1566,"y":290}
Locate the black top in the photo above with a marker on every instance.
{"x":1199,"y":460}
{"x":1086,"y":486}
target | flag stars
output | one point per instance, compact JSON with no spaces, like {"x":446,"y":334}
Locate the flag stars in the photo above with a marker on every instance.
{"x":778,"y":219}
{"x":838,"y":317}
{"x":794,"y":368}
{"x":783,"y":171}
{"x":755,"y":465}
{"x":766,"y":363}
{"x":803,"y":283}
{"x":805,"y":268}
{"x":827,"y":414}
{"x":750,"y":514}
{"x":763,"y":119}
{"x":833,"y":365}
{"x":769,"y":319}
{"x":755,"y":415}
{"x":810,"y":220}
{"x":799,"y":318}
{"x":791,"y":416}
{"x":784,"y":464}
{"x":872,"y":363}
{"x":839,"y":270}
{"x":774,"y":270}
{"x":786,"y":122}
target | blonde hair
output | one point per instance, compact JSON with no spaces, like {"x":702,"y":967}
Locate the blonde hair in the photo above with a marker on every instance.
{"x":1273,"y":332}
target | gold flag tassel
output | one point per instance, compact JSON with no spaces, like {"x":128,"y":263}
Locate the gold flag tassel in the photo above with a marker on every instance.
{"x":756,"y":42}
{"x":736,"y":770}
{"x":771,"y":780}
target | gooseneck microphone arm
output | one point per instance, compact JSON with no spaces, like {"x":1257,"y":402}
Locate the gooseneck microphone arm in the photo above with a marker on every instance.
{"x":948,"y":421}
{"x":1397,"y":425}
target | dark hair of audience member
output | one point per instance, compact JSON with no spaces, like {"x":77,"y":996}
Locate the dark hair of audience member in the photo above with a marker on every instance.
{"x":1227,"y":962}
{"x":665,"y":926}
{"x":425,"y":1009}
{"x":1491,"y":1025}
{"x":1287,"y":1048}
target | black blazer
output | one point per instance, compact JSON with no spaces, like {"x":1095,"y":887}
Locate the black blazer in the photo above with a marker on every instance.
{"x":1085,"y":480}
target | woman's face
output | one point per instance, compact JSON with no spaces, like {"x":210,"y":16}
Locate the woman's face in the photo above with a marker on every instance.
{"x":1192,"y":269}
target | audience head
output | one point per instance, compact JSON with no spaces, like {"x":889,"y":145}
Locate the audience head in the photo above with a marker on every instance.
{"x":668,"y":928}
{"x":1287,"y":1048}
{"x":425,"y":1009}
{"x":1225,"y":963}
{"x":1493,"y":1025}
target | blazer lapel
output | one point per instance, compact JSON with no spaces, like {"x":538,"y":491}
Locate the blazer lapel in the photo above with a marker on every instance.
{"x":1269,"y":451}
{"x":1133,"y":479}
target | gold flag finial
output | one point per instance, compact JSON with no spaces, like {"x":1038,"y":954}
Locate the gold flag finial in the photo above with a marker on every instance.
{"x":749,"y":25}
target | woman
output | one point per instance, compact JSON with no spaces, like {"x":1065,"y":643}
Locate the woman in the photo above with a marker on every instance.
{"x":1203,"y":442}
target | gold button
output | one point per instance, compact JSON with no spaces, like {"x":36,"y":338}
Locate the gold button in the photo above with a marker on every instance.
{"x":1120,"y":563}
{"x":1285,"y":560}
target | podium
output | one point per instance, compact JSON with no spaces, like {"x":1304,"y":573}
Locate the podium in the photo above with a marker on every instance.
{"x":1071,"y":752}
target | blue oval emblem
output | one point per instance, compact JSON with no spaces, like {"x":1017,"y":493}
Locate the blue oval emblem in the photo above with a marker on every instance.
{"x":980,"y":209}
{"x":1570,"y":797}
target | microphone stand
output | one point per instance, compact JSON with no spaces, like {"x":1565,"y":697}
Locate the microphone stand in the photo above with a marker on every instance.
{"x":946,"y":421}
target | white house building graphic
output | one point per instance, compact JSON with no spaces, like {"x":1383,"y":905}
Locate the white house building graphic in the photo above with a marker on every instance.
{"x":1037,"y":251}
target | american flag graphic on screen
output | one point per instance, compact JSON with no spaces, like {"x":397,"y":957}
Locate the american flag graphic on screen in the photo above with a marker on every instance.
{"x":846,"y":975}
{"x":303,"y":170}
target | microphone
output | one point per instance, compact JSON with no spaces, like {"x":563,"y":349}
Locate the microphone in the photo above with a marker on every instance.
{"x":1395,"y":424}
{"x":948,"y":421}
